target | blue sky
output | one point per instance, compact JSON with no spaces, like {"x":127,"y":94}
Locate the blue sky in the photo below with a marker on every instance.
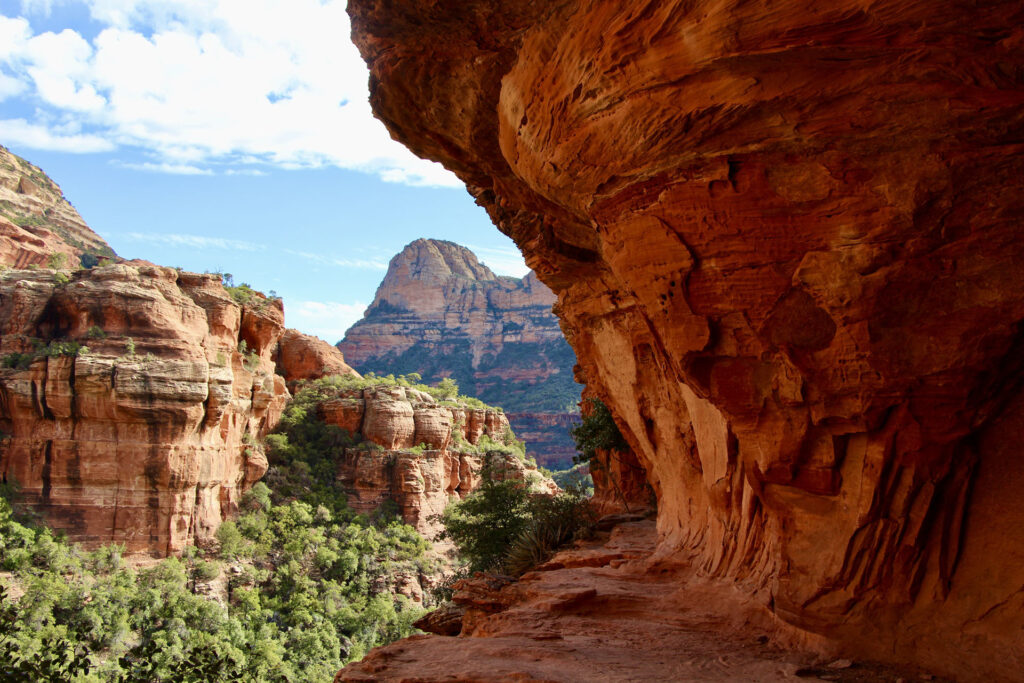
{"x":229,"y":135}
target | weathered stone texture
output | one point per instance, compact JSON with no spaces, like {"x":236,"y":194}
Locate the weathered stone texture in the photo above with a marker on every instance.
{"x":420,"y":454}
{"x":138,"y":441}
{"x":441,"y":313}
{"x":786,"y":240}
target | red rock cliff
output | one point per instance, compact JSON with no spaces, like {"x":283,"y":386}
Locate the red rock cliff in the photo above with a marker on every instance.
{"x":419,"y":453}
{"x":786,"y":240}
{"x":144,"y":439}
{"x":441,"y":313}
{"x":37,"y":221}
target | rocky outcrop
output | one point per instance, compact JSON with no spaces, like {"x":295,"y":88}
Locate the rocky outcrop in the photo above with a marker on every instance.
{"x":441,"y":313}
{"x":303,"y":357}
{"x":786,"y":242}
{"x":147,"y":436}
{"x":37,"y":222}
{"x":593,"y":613}
{"x":420,"y":453}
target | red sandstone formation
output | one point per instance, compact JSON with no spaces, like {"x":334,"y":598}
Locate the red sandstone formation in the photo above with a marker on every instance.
{"x":419,"y":453}
{"x":786,"y":240}
{"x":36,"y":221}
{"x":584,"y":616}
{"x":140,"y":440}
{"x":301,"y":356}
{"x":441,"y":313}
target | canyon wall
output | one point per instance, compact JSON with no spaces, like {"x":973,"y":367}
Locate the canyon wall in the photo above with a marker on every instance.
{"x":441,"y":313}
{"x":304,"y":357}
{"x":786,"y":241}
{"x":37,"y":221}
{"x":420,"y":453}
{"x":146,"y":437}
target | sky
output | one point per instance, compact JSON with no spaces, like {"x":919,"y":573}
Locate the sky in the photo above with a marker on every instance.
{"x":228,"y":136}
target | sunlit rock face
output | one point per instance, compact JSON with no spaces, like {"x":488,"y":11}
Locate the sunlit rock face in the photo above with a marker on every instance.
{"x":418,"y":453}
{"x":305,"y":357}
{"x":37,"y":222}
{"x":786,"y":241}
{"x":148,"y":438}
{"x":439,"y":312}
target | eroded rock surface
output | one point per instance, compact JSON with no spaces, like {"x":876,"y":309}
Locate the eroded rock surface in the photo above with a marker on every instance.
{"x":786,"y":241}
{"x":419,"y":453}
{"x":606,"y":611}
{"x":37,"y":221}
{"x":303,"y":357}
{"x":441,"y":313}
{"x":147,"y":438}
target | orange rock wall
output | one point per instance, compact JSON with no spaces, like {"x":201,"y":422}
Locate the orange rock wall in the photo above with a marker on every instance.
{"x":147,"y":447}
{"x":441,"y":313}
{"x":420,"y":454}
{"x":37,"y":221}
{"x":786,"y":240}
{"x":304,"y":357}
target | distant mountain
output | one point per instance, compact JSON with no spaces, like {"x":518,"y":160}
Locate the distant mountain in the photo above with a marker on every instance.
{"x":37,"y":222}
{"x":442,"y":313}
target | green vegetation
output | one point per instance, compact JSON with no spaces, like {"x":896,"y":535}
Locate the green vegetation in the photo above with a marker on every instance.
{"x":252,"y":359}
{"x":446,"y":392}
{"x":244,"y":294}
{"x":453,"y":359}
{"x":310,"y":584}
{"x":597,"y":431}
{"x":56,"y":261}
{"x":56,"y":347}
{"x":503,"y":527}
{"x":576,"y":477}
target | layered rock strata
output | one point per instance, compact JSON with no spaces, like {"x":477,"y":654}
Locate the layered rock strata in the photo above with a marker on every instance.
{"x":37,"y":221}
{"x":786,"y":243}
{"x":147,"y":437}
{"x":419,"y":453}
{"x":441,"y":313}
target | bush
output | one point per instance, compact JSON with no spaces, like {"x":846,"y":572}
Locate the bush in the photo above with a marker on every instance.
{"x":56,"y":261}
{"x":597,"y":431}
{"x":205,"y":571}
{"x":502,"y":527}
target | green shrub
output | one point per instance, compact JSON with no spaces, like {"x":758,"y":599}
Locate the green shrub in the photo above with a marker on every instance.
{"x":95,"y":332}
{"x":21,"y":361}
{"x":56,"y":261}
{"x":597,"y":431}
{"x":501,"y":526}
{"x":204,"y":570}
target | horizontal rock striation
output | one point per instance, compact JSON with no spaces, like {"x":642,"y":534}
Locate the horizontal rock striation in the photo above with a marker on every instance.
{"x":147,"y":437}
{"x":441,"y":313}
{"x":37,"y":221}
{"x":419,"y":453}
{"x":786,"y":243}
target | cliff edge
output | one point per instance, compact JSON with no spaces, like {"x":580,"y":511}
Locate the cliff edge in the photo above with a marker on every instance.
{"x":786,"y":243}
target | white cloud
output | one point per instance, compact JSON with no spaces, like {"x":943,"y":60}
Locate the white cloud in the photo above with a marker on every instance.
{"x":372,"y":264}
{"x":328,"y":320}
{"x":176,"y":169}
{"x":215,"y":81}
{"x":503,"y":261}
{"x":21,"y":132}
{"x":197,"y":241}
